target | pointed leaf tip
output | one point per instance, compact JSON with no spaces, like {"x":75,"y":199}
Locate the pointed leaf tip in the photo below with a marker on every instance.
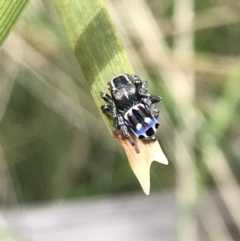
{"x":141,"y":162}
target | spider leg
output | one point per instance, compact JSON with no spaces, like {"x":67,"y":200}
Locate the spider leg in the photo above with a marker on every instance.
{"x":107,"y":109}
{"x":116,"y":125}
{"x":135,"y":79}
{"x":142,"y":89}
{"x":153,"y":109}
{"x":141,"y":86}
{"x":155,"y":98}
{"x":143,"y":92}
{"x":106,"y":97}
{"x":125,"y":132}
{"x":110,"y":109}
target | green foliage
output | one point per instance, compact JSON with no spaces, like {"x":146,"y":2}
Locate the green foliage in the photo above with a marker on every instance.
{"x":95,"y":42}
{"x":52,"y":135}
{"x":9,"y":12}
{"x":226,"y":108}
{"x":53,"y":143}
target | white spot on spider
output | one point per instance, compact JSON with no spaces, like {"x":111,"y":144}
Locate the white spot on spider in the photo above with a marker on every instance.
{"x":139,"y":126}
{"x":147,"y":120}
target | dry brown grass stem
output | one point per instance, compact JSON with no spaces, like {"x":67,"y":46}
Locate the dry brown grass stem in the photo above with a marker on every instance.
{"x":210,"y":18}
{"x":212,"y":221}
{"x":61,"y":103}
{"x":225,"y":180}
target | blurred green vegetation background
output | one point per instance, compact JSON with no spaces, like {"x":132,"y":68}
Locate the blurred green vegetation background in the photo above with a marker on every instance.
{"x":55,"y":145}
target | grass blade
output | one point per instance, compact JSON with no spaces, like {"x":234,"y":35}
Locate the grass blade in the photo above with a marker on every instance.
{"x":101,"y":56}
{"x":9,"y":13}
{"x":96,"y":44}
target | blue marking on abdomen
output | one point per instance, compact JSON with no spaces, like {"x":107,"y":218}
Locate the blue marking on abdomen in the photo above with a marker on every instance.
{"x":143,"y":130}
{"x":133,"y":124}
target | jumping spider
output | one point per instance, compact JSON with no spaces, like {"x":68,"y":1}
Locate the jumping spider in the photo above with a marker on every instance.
{"x":131,"y":107}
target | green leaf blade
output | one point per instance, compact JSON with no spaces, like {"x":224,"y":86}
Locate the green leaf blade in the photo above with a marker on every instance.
{"x":101,"y":56}
{"x":95,"y":42}
{"x":9,"y":13}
